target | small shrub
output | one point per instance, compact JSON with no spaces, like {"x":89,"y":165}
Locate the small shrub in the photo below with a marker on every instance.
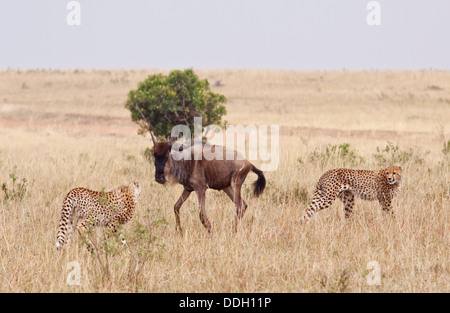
{"x":137,"y":246}
{"x":446,"y":149}
{"x":103,"y":200}
{"x":301,"y":194}
{"x":148,"y":154}
{"x":434,"y":87}
{"x":392,"y":154}
{"x":297,"y":194}
{"x":17,"y":190}
{"x":332,"y":153}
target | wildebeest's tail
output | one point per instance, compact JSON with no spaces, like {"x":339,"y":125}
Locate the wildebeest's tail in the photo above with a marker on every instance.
{"x":260,"y":184}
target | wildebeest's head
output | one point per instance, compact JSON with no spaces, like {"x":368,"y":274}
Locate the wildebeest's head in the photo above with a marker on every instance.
{"x":161,"y":155}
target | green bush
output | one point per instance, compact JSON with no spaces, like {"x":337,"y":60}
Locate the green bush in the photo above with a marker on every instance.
{"x":167,"y":101}
{"x":392,"y":154}
{"x":16,"y":190}
{"x":446,"y":149}
{"x":331,"y":153}
{"x":135,"y":247}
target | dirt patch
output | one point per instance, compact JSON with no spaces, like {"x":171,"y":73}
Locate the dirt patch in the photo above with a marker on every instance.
{"x":7,"y":107}
{"x":360,"y":133}
{"x":12,"y":116}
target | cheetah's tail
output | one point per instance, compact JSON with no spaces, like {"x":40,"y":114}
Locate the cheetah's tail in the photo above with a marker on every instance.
{"x":64,"y":223}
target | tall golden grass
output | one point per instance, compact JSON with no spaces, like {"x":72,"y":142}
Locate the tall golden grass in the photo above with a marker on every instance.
{"x":65,"y":129}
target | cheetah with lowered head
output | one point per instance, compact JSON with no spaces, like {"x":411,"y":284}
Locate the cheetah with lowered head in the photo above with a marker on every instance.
{"x":97,"y":208}
{"x":345,"y":184}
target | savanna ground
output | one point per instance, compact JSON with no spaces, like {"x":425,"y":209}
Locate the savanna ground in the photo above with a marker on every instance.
{"x":65,"y":129}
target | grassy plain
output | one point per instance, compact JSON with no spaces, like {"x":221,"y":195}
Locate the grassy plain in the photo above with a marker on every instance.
{"x":65,"y":129}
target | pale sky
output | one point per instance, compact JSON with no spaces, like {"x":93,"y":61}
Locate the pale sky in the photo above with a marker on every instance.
{"x":218,"y":34}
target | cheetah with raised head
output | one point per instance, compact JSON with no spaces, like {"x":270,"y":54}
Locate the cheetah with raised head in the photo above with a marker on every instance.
{"x":98,"y":208}
{"x":345,"y":184}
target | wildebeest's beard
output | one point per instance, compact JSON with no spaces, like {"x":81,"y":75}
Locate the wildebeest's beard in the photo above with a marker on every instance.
{"x":160,"y":163}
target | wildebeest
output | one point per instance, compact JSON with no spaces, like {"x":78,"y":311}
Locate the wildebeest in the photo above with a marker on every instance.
{"x":200,"y":173}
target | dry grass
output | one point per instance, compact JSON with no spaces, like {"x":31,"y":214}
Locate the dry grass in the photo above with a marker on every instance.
{"x":60,"y":130}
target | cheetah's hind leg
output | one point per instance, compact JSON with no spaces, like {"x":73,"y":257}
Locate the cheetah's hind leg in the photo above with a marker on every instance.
{"x":70,"y":231}
{"x":81,"y":229}
{"x":321,"y":201}
{"x":348,"y":199}
{"x":73,"y":220}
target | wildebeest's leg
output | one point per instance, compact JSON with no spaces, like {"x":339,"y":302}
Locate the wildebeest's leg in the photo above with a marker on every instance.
{"x":238,"y":203}
{"x":177,"y":207}
{"x":240,"y":209}
{"x":230,"y":194}
{"x":201,"y":200}
{"x":236,"y":184}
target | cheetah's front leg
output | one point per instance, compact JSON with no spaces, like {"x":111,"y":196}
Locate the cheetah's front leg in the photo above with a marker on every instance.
{"x":386,"y":205}
{"x":112,"y":228}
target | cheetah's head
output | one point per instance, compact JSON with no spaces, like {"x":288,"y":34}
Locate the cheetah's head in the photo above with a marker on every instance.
{"x":135,"y":188}
{"x":393,"y":174}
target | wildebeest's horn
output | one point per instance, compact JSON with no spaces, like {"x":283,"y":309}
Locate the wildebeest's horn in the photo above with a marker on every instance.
{"x":172,"y":140}
{"x":150,"y":127}
{"x":153,"y":138}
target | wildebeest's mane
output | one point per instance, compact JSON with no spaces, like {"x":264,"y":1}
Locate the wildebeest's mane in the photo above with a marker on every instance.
{"x":181,"y":170}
